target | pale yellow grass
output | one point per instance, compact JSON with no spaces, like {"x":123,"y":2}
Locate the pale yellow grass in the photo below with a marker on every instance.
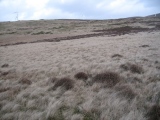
{"x":39,"y":62}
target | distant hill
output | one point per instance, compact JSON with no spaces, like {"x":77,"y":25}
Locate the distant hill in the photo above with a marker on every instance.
{"x":154,"y":15}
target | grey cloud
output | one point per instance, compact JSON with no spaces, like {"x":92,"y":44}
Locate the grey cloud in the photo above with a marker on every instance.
{"x":83,"y":7}
{"x":79,"y":9}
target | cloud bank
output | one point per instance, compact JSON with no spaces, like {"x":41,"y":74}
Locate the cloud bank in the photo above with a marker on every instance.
{"x":76,"y":9}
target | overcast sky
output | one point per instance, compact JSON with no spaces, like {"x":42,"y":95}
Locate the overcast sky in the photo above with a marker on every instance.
{"x":76,"y":9}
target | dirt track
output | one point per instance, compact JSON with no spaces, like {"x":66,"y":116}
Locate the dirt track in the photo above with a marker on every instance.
{"x":109,"y":32}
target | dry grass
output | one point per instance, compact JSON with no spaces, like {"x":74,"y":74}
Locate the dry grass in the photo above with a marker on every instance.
{"x":126,"y":92}
{"x":65,"y":82}
{"x":52,"y":80}
{"x":112,"y":95}
{"x":108,"y":78}
{"x":134,"y":68}
{"x":81,"y":75}
{"x":25,"y":81}
{"x":91,"y":115}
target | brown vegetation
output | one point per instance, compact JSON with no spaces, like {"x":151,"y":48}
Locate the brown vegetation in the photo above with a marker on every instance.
{"x":67,"y":83}
{"x":110,"y":32}
{"x":153,"y":113}
{"x":109,"y":78}
{"x":4,"y":89}
{"x":144,"y":46}
{"x":134,"y":68}
{"x":125,"y":66}
{"x":116,"y":55}
{"x":4,"y":73}
{"x":25,"y":81}
{"x":81,"y":75}
{"x":4,"y":65}
{"x":123,"y":30}
{"x":107,"y":95}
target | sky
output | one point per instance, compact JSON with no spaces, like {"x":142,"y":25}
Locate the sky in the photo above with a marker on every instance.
{"x":76,"y":9}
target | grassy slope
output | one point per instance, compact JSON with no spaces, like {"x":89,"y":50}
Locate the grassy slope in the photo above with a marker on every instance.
{"x":128,"y":89}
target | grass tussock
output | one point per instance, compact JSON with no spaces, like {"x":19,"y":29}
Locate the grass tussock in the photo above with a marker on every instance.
{"x":144,"y":46}
{"x":4,"y":73}
{"x":25,"y":81}
{"x":3,"y":89}
{"x":116,"y":55}
{"x":109,"y":78}
{"x":153,"y":113}
{"x":67,"y":83}
{"x":81,"y":75}
{"x":5,"y":65}
{"x":126,"y":92}
{"x":41,"y":32}
{"x":134,"y":68}
{"x":125,"y":66}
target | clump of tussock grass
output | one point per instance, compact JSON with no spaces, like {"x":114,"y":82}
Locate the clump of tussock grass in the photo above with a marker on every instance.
{"x":116,"y":55}
{"x":125,"y":66}
{"x":144,"y":46}
{"x":9,"y":74}
{"x":126,"y":92}
{"x":4,"y":89}
{"x":41,"y":32}
{"x":109,"y":78}
{"x":1,"y":106}
{"x":4,"y":73}
{"x":134,"y":68}
{"x":65,"y":82}
{"x":91,"y":115}
{"x":81,"y":75}
{"x":156,"y":62}
{"x":25,"y":81}
{"x":4,"y":65}
{"x":153,"y":113}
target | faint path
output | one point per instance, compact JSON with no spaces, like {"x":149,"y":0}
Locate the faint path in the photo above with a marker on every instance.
{"x":109,"y":32}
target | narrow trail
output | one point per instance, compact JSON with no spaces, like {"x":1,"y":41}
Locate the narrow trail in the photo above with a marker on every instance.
{"x":109,"y":32}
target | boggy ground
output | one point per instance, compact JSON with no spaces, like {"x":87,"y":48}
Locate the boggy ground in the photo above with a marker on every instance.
{"x":93,"y":78}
